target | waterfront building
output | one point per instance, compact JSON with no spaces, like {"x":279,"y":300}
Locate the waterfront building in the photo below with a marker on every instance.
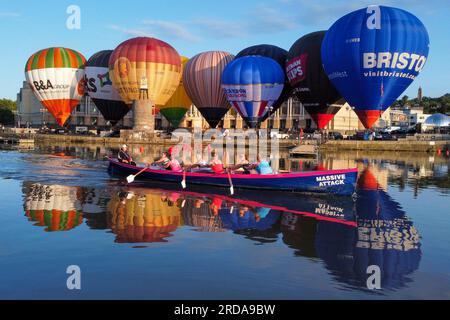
{"x":289,"y":117}
{"x":436,"y":122}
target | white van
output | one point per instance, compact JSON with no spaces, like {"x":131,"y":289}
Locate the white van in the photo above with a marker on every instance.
{"x":83,"y":130}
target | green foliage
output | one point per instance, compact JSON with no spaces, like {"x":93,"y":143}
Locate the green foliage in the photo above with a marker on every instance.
{"x":430,"y":105}
{"x":6,"y":111}
{"x":6,"y":116}
{"x":8,"y":104}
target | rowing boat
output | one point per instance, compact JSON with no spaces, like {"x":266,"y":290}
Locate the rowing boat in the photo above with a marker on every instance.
{"x":338,"y":182}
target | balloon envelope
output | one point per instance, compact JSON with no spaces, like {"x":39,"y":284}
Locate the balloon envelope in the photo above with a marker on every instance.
{"x":279,"y":55}
{"x":308,"y":79}
{"x":53,"y":206}
{"x":100,"y":89}
{"x":372,"y":55}
{"x":149,"y":60}
{"x":202,"y":82}
{"x":175,"y":109}
{"x":56,"y":77}
{"x":252,"y":84}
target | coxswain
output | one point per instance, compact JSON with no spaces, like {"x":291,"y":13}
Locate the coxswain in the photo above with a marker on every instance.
{"x":124,"y":157}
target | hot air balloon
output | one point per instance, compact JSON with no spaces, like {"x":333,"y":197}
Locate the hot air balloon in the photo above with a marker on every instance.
{"x":309,"y":82}
{"x":279,"y":55}
{"x":100,"y":89}
{"x":175,"y":109}
{"x":56,"y":77}
{"x":252,"y":84}
{"x":372,"y":55}
{"x":202,"y":83}
{"x":149,"y":60}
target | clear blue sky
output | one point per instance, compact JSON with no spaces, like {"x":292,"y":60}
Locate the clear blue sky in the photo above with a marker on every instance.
{"x":198,"y":25}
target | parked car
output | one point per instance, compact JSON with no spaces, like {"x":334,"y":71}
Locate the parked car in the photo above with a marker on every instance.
{"x":335,"y":136}
{"x":411,"y":130}
{"x":384,"y":136}
{"x":390,"y":129}
{"x":113,"y":134}
{"x":279,"y":135}
{"x":361,"y":135}
{"x":400,"y":133}
{"x":62,"y":131}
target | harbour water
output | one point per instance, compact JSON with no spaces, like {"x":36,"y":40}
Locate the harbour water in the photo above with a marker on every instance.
{"x":60,"y":208}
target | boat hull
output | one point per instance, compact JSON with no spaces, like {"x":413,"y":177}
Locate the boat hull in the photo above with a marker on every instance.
{"x":338,"y":182}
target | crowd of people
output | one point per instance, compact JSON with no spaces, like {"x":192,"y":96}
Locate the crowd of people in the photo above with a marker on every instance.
{"x":168,"y":161}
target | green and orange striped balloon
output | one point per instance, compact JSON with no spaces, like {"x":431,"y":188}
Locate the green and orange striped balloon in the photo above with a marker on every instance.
{"x":56,"y":77}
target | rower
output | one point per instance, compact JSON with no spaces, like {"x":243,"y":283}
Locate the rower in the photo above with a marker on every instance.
{"x":174,"y":165}
{"x":242,"y":163}
{"x":200,"y":164}
{"x":124,"y":157}
{"x":216,"y":164}
{"x":262,"y":166}
{"x":163,"y":160}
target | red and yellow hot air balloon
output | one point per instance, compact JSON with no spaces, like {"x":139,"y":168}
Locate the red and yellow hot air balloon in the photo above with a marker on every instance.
{"x":56,"y":77}
{"x":148,"y":60}
{"x":175,"y":109}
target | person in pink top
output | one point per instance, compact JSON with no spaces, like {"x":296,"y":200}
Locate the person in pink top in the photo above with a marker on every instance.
{"x":174,"y":165}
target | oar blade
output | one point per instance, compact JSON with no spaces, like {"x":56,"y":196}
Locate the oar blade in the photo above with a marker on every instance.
{"x":231,"y":190}
{"x":130,"y":178}
{"x":183,"y":184}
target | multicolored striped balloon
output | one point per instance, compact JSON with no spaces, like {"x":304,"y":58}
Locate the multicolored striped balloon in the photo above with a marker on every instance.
{"x":53,"y":206}
{"x":175,"y":109}
{"x":145,"y":60}
{"x":202,"y":82}
{"x":56,"y":77}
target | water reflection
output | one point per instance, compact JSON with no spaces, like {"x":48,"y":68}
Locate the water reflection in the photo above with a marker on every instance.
{"x":384,"y":236}
{"x":347,"y":236}
{"x":142,"y":217}
{"x":57,"y":208}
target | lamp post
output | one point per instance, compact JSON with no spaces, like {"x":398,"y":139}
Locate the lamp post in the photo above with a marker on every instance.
{"x":348,"y":109}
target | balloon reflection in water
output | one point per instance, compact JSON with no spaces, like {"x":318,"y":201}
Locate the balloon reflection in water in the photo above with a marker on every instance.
{"x":142,"y":217}
{"x":58,"y":208}
{"x":384,"y":236}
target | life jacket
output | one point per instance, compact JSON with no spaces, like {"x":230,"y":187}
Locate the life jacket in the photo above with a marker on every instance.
{"x":217,"y":168}
{"x":264,"y":168}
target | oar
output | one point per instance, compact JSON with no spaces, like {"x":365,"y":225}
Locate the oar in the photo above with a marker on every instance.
{"x":231,"y":183}
{"x":131,"y":177}
{"x":183,"y":182}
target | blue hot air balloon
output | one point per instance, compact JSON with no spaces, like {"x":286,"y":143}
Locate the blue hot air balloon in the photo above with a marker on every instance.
{"x":279,"y":55}
{"x":252,"y":84}
{"x":372,"y":55}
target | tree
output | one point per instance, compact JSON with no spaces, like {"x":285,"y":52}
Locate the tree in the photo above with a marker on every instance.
{"x":430,"y":105}
{"x":405,"y":100}
{"x":6,"y":116}
{"x":8,"y":104}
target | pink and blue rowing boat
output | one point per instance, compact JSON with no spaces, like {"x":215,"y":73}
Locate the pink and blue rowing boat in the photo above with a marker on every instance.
{"x":338,"y":182}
